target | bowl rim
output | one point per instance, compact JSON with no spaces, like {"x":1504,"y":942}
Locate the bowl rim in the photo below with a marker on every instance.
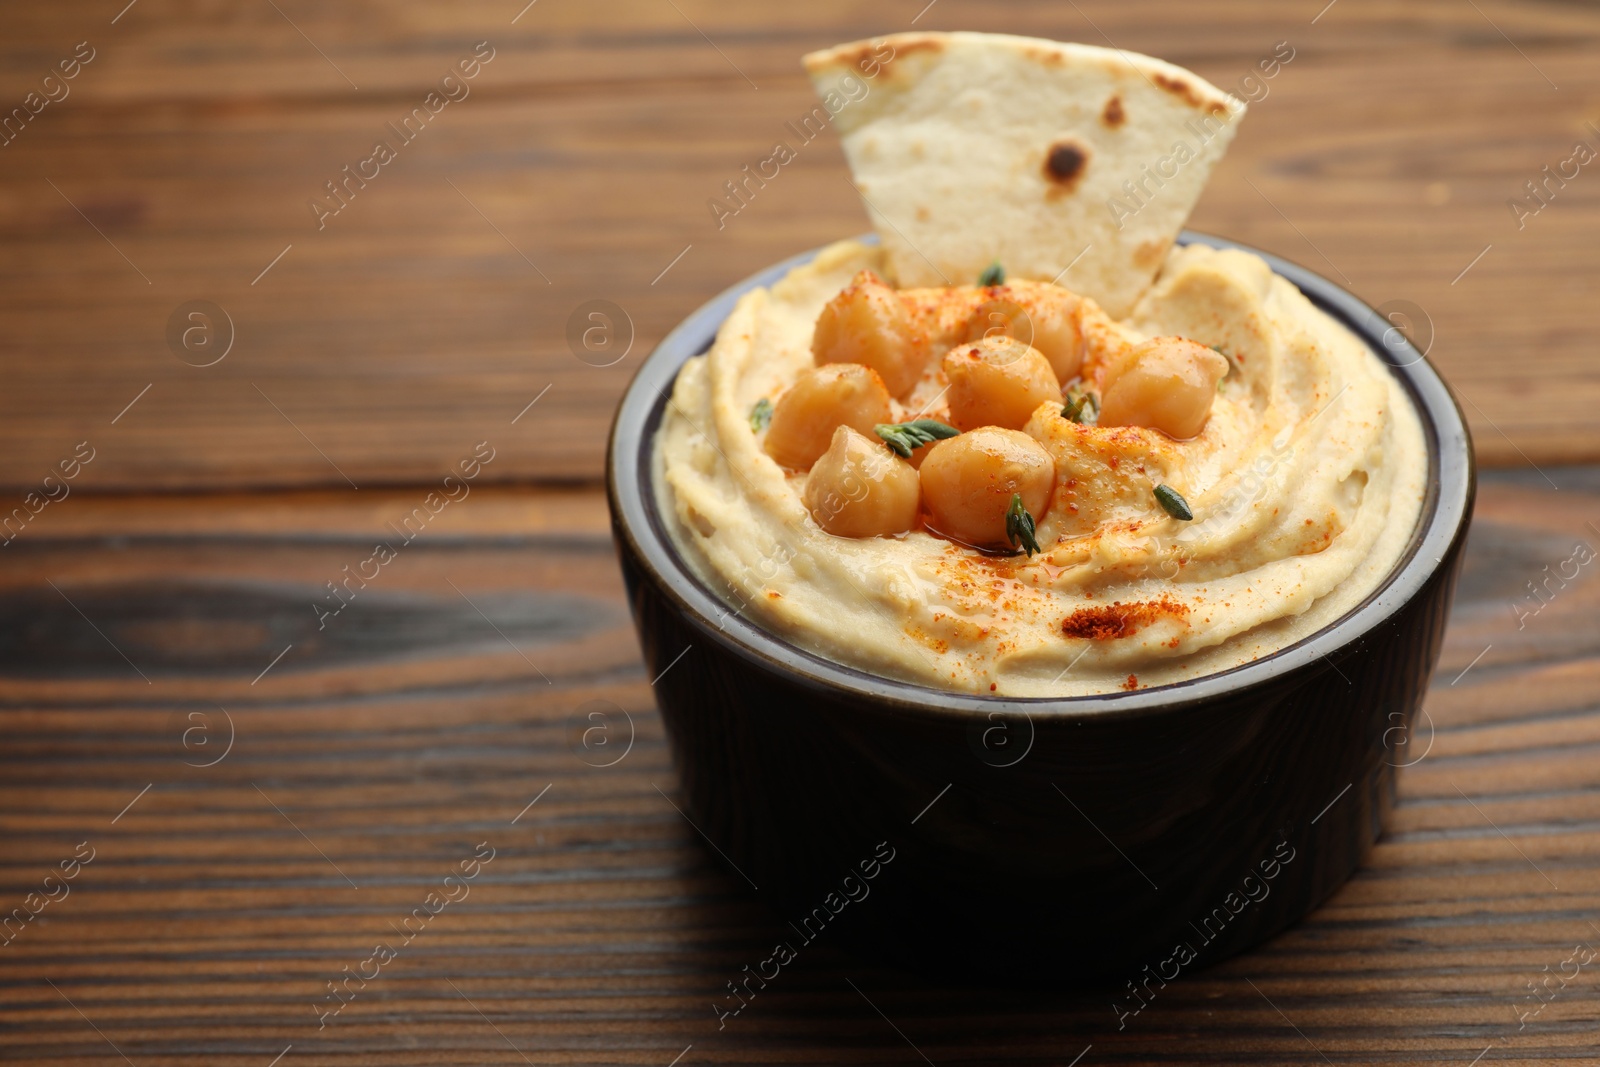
{"x":636,"y":518}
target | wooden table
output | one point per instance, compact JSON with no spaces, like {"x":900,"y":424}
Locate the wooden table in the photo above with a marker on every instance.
{"x":250,"y":792}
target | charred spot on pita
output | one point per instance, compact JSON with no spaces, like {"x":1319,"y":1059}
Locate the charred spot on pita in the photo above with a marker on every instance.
{"x":1065,"y":162}
{"x":1047,"y":57}
{"x":1189,"y":94}
{"x":1150,"y":253}
{"x":1113,"y":115}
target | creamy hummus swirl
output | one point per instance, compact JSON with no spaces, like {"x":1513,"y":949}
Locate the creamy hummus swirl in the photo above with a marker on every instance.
{"x":1305,"y":487}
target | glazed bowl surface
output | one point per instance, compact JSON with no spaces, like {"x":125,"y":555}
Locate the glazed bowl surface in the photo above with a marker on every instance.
{"x":1127,"y":836}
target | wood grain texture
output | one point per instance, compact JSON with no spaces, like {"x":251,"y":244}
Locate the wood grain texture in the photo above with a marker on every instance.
{"x":434,"y":307}
{"x":378,"y":753}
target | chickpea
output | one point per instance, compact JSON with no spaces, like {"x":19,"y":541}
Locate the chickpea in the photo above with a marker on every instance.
{"x":997,"y":382}
{"x":1166,"y":383}
{"x":861,"y":489}
{"x":867,"y":323}
{"x":1055,"y":331}
{"x":1001,"y":316}
{"x":968,"y":482}
{"x":1046,"y":318}
{"x":819,"y":401}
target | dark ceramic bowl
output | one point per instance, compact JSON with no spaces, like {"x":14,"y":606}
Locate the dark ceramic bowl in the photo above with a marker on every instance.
{"x":1066,"y":839}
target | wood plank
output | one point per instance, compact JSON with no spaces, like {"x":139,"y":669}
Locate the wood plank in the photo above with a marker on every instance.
{"x":221,"y":900}
{"x":381,"y":348}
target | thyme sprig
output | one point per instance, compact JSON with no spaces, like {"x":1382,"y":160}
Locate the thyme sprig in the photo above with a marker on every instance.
{"x":906,"y":437}
{"x":1020,"y":531}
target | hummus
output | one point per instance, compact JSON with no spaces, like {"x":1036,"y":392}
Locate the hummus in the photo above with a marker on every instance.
{"x":1304,"y":486}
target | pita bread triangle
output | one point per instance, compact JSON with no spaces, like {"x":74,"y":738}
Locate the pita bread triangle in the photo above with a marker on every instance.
{"x":974,"y":148}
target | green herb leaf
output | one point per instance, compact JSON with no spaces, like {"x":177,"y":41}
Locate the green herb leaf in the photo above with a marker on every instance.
{"x":761,"y":415}
{"x":907,"y":437}
{"x":1082,"y":407}
{"x":1173,"y":503}
{"x":993,"y":274}
{"x":1019,"y":526}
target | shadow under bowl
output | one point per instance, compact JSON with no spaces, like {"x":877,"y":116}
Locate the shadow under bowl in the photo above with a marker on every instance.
{"x":1128,"y":836}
